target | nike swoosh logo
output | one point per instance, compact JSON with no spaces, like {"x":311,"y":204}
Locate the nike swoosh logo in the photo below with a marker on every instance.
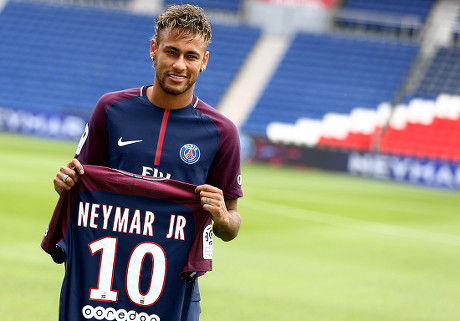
{"x":127,"y":142}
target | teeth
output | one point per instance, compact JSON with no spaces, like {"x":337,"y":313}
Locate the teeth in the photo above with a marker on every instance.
{"x":177,"y":77}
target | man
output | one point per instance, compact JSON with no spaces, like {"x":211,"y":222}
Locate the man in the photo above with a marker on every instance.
{"x":165,"y":131}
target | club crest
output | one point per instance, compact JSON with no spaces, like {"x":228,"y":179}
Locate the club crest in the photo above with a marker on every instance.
{"x":190,"y":153}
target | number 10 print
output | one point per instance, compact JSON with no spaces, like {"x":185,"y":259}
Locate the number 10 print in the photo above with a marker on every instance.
{"x":108,"y":248}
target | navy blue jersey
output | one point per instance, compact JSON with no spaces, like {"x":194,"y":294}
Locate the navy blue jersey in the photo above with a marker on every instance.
{"x":194,"y":144}
{"x":131,"y":245}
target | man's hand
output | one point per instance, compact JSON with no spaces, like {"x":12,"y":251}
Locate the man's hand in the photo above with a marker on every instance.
{"x":224,"y":213}
{"x":67,"y":176}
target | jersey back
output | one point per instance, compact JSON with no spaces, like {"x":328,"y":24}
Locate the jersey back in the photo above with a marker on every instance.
{"x":132,"y":245}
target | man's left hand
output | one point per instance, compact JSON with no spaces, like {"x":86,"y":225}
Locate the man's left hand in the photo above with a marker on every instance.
{"x":224,"y":213}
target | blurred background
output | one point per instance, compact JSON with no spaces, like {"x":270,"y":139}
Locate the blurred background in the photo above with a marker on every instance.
{"x":367,"y":87}
{"x":349,"y":118}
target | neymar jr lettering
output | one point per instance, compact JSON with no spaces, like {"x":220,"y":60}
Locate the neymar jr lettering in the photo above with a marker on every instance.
{"x":93,"y":215}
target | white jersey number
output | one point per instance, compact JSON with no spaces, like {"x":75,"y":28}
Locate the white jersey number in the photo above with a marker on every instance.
{"x":104,"y":291}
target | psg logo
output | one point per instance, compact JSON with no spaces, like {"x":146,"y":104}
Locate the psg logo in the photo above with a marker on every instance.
{"x":190,"y":153}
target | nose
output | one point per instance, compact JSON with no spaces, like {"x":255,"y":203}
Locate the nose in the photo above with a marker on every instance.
{"x":179,"y":64}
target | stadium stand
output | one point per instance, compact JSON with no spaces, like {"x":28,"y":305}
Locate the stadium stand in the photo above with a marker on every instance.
{"x":227,"y":5}
{"x":425,"y":128}
{"x":456,"y":31}
{"x":336,"y":91}
{"x":442,"y":75}
{"x":398,"y":16}
{"x":62,"y":58}
{"x":323,"y":74}
{"x":230,"y":46}
{"x":422,"y":128}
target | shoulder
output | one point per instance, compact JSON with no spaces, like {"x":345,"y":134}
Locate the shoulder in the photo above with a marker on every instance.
{"x":99,"y":114}
{"x":110,"y":98}
{"x":224,"y":125}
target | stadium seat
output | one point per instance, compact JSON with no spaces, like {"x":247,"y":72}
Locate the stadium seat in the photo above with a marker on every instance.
{"x":442,"y":75}
{"x":62,"y":58}
{"x":227,"y":5}
{"x":425,"y":129}
{"x":322,"y":74}
{"x":398,"y":16}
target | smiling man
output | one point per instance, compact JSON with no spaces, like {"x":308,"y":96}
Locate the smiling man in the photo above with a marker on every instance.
{"x":183,"y":56}
{"x":164,"y":130}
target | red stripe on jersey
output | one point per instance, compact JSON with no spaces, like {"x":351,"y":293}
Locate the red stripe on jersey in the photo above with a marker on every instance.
{"x":161,"y":137}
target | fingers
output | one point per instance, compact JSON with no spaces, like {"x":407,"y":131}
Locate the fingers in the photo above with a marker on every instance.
{"x":207,"y":189}
{"x":67,"y":176}
{"x":212,"y":200}
{"x":208,"y":201}
{"x":65,"y":179}
{"x":59,"y":184}
{"x":204,"y":187}
{"x":210,"y":195}
{"x":75,"y":164}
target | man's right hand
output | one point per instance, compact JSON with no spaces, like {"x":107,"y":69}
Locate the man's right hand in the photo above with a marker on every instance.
{"x":67,"y":176}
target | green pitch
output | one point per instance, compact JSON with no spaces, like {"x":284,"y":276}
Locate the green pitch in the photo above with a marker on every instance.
{"x":313,"y":246}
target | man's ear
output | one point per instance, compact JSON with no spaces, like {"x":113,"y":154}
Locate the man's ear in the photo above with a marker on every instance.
{"x":153,"y":49}
{"x":204,"y":63}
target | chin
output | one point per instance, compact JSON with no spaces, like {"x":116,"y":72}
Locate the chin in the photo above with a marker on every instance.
{"x":173,"y":90}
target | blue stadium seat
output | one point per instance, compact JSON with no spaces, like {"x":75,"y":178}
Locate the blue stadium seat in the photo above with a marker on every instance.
{"x":399,"y":16}
{"x":330,"y":73}
{"x":228,"y":50}
{"x":419,"y":8}
{"x":227,"y":5}
{"x":442,"y":74}
{"x":63,"y":58}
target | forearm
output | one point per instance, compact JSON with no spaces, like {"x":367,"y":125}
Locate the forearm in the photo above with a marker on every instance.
{"x":228,"y":229}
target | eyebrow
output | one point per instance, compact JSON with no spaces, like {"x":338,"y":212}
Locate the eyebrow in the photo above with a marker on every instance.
{"x":188,"y":52}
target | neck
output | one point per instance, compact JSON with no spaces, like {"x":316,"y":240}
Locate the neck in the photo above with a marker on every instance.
{"x":167,"y":101}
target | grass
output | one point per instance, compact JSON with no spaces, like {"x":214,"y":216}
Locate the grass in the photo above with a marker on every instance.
{"x":313,"y":246}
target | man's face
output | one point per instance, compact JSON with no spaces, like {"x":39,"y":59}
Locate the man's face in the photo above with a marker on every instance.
{"x":178,"y":61}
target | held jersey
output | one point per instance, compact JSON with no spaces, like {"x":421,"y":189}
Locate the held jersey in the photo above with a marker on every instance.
{"x":194,"y":144}
{"x":131,"y":246}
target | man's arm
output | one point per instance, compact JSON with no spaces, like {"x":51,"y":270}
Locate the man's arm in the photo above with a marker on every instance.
{"x":227,"y":220}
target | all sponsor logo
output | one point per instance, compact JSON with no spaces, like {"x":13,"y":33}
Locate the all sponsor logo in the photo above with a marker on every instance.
{"x":110,"y":314}
{"x":190,"y":153}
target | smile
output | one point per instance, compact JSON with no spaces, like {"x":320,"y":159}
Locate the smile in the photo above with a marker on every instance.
{"x":176,"y":77}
